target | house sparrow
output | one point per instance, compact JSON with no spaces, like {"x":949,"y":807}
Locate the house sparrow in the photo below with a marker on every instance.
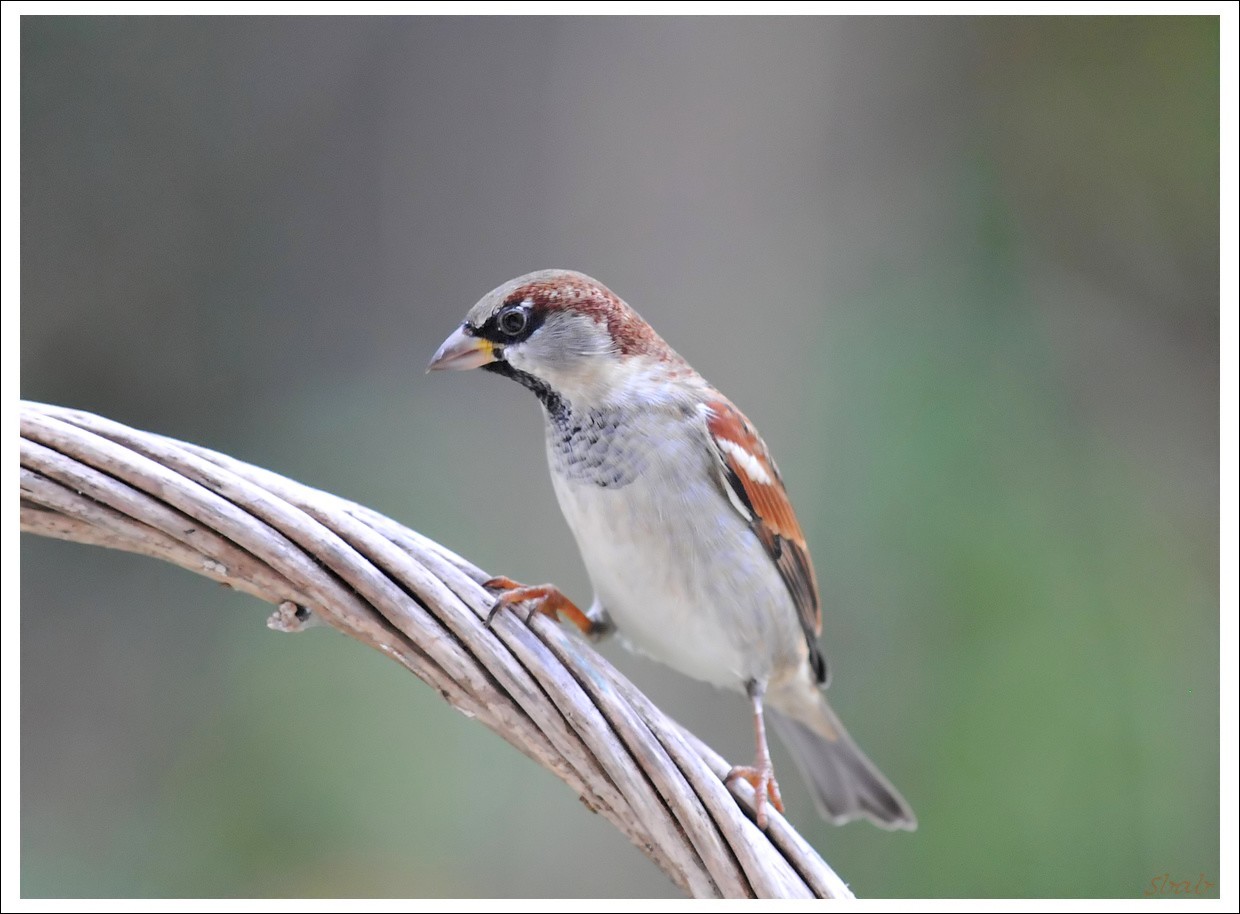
{"x":696,"y":557}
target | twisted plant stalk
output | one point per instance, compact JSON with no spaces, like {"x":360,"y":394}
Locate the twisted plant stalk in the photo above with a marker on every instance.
{"x":92,"y":480}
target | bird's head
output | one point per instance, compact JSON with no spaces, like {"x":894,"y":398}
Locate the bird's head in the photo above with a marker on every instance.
{"x":561,"y":334}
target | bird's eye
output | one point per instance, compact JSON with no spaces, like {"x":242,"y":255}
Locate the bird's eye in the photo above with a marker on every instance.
{"x":512,"y":322}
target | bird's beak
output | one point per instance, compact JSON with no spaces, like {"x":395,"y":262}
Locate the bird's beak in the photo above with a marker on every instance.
{"x":462,"y":350}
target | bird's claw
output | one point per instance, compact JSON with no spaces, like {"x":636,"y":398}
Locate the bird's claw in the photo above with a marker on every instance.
{"x":765,"y":789}
{"x":506,"y":587}
{"x":546,"y":599}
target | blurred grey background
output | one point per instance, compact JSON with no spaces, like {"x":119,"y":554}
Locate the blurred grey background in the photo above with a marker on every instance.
{"x":962,"y":273}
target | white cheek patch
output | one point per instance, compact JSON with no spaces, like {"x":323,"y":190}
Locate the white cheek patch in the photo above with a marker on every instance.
{"x":746,"y":461}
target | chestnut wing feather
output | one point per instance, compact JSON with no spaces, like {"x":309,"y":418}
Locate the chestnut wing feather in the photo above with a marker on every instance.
{"x":752,"y":483}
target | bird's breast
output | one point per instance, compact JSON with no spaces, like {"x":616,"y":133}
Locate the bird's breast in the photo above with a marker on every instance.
{"x":591,"y":448}
{"x":678,"y":569}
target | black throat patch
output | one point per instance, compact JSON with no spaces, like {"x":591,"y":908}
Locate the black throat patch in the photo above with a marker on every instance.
{"x":552,"y":402}
{"x":589,"y":446}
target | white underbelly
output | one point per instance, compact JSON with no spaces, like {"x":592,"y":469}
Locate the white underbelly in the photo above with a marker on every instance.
{"x":692,"y":589}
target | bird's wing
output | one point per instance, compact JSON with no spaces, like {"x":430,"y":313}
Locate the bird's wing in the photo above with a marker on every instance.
{"x":752,"y":483}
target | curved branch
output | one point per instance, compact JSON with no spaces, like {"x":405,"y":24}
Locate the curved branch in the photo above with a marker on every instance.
{"x":92,"y":480}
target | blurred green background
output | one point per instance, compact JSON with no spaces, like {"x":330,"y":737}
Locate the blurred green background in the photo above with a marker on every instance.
{"x":962,"y":273}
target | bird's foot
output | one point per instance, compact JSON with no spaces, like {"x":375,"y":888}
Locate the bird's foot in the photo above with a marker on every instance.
{"x":546,"y":599}
{"x":762,"y":780}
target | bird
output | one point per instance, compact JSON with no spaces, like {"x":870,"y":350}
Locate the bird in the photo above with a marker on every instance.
{"x":683,"y":523}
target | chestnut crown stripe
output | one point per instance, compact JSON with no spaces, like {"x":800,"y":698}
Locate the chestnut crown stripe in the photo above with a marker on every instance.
{"x":542,"y":297}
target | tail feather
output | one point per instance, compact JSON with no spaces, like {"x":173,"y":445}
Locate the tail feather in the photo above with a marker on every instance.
{"x":846,"y":785}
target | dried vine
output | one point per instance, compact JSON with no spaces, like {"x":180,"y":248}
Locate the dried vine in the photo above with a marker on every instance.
{"x":315,"y":555}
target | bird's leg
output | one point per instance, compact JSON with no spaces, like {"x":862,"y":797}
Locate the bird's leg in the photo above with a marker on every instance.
{"x":548,"y":600}
{"x":762,"y":775}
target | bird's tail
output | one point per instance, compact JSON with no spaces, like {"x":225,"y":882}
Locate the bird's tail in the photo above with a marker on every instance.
{"x":846,"y":785}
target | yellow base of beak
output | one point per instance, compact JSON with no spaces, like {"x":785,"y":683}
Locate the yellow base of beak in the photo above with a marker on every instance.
{"x":461,"y":351}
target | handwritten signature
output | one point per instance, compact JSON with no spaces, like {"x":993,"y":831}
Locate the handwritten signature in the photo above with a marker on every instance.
{"x":1163,"y":884}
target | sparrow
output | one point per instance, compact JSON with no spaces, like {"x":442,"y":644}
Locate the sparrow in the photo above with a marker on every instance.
{"x":682,"y":520}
